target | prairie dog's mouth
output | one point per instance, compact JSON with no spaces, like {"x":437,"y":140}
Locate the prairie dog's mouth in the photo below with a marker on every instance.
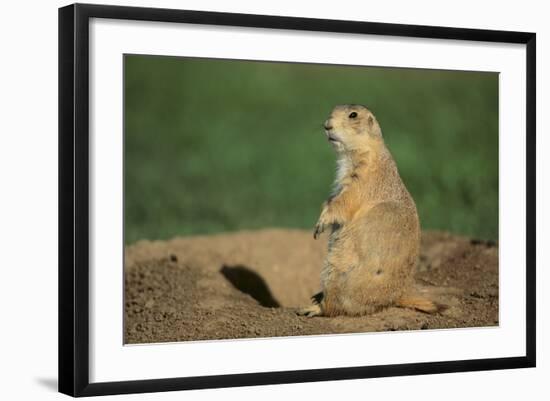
{"x":331,"y":137}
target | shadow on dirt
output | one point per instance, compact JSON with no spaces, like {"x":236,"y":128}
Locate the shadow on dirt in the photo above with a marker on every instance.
{"x":248,"y":281}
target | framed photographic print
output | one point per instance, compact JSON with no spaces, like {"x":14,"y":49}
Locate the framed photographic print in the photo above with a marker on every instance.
{"x":238,"y":192}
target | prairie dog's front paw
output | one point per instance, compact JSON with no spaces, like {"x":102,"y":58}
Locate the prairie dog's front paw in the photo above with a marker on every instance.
{"x":319,"y":228}
{"x":322,"y":223}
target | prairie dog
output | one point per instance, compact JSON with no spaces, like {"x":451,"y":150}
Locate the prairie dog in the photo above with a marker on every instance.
{"x":374,"y":227}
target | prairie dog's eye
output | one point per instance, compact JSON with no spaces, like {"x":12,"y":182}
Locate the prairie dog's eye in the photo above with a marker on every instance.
{"x":353,"y":114}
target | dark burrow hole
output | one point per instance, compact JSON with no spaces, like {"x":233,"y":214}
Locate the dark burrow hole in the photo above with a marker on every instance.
{"x":248,"y":281}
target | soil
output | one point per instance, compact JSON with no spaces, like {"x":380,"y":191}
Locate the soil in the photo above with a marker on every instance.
{"x":250,"y":283}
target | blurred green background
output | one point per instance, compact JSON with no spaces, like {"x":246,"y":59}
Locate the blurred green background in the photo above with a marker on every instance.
{"x":222,"y":145}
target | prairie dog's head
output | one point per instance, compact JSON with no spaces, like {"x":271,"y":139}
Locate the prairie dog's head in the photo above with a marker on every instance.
{"x":352,"y":127}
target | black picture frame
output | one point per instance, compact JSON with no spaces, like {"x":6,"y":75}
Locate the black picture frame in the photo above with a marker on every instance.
{"x":74,"y":198}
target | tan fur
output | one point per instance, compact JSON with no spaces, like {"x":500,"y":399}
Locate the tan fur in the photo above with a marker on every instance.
{"x":374,"y":228}
{"x":417,"y":302}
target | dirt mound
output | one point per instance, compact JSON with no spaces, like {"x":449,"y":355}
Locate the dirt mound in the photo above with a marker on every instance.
{"x":248,"y":284}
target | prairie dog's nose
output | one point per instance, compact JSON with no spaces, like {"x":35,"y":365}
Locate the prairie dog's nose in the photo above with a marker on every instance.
{"x":327,"y":125}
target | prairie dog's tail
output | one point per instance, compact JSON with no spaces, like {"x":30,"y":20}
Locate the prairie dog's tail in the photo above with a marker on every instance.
{"x":419,"y":302}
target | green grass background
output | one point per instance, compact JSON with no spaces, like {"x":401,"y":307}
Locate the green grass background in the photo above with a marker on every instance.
{"x":221,"y":145}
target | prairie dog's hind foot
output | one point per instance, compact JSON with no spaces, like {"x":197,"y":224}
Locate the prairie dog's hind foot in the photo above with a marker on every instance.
{"x":310,"y":311}
{"x":315,"y":309}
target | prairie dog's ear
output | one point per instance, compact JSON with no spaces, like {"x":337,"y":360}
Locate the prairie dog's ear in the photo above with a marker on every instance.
{"x":370,"y":121}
